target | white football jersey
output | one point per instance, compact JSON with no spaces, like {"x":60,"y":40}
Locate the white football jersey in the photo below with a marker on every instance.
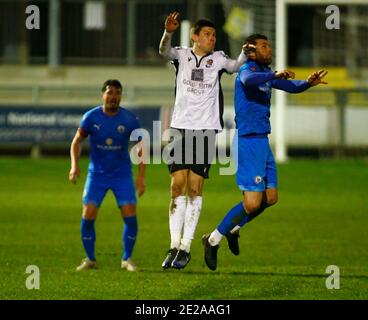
{"x":199,"y":99}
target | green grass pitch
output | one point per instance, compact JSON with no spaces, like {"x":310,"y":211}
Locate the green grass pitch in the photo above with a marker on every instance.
{"x":321,"y":219}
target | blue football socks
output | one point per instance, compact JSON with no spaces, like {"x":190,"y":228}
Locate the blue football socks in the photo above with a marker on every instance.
{"x":250,"y":217}
{"x":238,"y":216}
{"x":88,"y":235}
{"x":129,"y":235}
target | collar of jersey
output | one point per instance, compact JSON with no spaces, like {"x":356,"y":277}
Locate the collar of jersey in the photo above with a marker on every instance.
{"x":107,"y":115}
{"x":259,"y":67}
{"x":198,"y":63}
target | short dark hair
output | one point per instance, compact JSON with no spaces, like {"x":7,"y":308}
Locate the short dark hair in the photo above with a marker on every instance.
{"x":112,"y":82}
{"x":201,"y":24}
{"x":254,"y":37}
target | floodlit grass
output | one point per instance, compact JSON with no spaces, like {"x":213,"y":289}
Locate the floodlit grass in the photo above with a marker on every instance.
{"x":321,"y":219}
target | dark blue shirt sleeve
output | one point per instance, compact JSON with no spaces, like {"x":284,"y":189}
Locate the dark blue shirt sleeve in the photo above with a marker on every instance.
{"x":251,"y":78}
{"x":291,"y":86}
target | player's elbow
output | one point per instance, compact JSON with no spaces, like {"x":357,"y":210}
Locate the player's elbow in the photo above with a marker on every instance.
{"x":162,"y":50}
{"x":234,"y":68}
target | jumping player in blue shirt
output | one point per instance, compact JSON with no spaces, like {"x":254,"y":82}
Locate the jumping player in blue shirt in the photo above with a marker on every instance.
{"x":256,"y":171}
{"x":109,"y":128}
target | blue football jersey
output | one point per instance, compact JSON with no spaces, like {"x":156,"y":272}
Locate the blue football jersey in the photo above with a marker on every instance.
{"x":109,"y":140}
{"x":252,"y":99}
{"x":252,"y":103}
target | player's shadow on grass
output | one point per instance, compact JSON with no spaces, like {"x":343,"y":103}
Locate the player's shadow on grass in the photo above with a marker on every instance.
{"x":249,"y":273}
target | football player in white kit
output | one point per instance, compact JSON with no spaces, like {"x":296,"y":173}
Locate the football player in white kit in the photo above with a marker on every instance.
{"x":197,"y":116}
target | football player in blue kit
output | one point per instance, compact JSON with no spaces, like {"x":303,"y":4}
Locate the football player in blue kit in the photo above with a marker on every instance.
{"x":109,"y":128}
{"x":256,"y":174}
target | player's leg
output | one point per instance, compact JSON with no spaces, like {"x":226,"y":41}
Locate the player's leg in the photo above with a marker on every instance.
{"x":177,"y":210}
{"x":269,"y":198}
{"x":94,"y":192}
{"x":244,"y":210}
{"x":250,"y":177}
{"x":128,"y":213}
{"x":124,"y":192}
{"x":270,"y":195}
{"x":192,"y":213}
{"x":202,"y":151}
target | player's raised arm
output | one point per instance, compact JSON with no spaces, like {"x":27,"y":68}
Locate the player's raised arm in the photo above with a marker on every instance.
{"x":75,"y":152}
{"x":171,"y":25}
{"x":249,"y":77}
{"x":297,"y":86}
{"x":232,"y":66}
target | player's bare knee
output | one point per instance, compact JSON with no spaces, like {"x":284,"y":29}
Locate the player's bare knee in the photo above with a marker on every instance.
{"x":128,"y":210}
{"x":89,"y":213}
{"x":251,"y":206}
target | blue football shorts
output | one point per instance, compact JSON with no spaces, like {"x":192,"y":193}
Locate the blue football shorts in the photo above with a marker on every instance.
{"x":256,"y":167}
{"x":96,"y":187}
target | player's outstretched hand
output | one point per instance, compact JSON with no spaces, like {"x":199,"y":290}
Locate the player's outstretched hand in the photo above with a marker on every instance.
{"x":73,"y":175}
{"x":316,"y":78}
{"x":285,"y":74}
{"x":249,"y":50}
{"x":140,"y":186}
{"x":172,"y":22}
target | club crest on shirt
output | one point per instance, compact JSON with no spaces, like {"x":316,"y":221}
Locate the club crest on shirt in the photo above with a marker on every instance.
{"x":189,"y":59}
{"x":253,"y":68}
{"x":209,"y":63}
{"x":109,"y":141}
{"x":121,"y":129}
{"x":258,"y":179}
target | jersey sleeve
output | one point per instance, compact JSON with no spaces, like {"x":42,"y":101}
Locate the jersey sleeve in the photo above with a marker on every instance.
{"x":84,"y":126}
{"x":231,"y":65}
{"x":250,"y":77}
{"x":165,"y":49}
{"x":291,"y":86}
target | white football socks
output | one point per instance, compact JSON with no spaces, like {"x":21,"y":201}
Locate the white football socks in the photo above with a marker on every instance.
{"x":215,"y":238}
{"x":176,"y":220}
{"x":235,"y":229}
{"x":192,"y":214}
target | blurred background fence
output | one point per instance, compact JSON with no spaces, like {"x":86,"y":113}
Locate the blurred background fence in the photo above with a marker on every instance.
{"x":80,"y":44}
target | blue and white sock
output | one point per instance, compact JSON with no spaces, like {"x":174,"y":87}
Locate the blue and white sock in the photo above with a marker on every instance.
{"x":88,"y":235}
{"x":250,"y":217}
{"x":233,"y":221}
{"x":235,"y":216}
{"x":129,"y":236}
